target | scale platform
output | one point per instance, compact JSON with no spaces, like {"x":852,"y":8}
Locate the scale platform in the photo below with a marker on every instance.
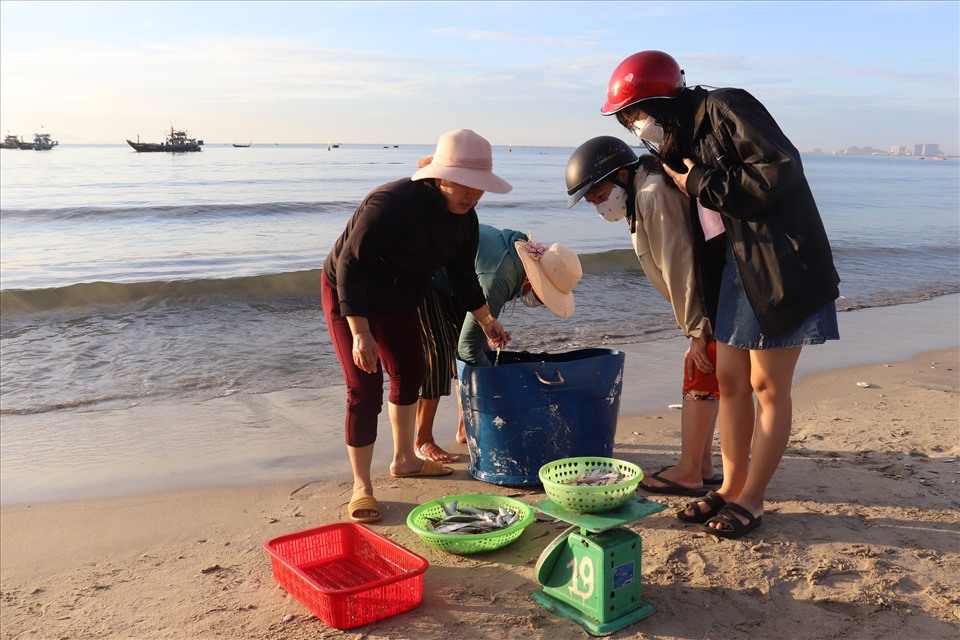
{"x":638,"y":507}
{"x":592,"y":576}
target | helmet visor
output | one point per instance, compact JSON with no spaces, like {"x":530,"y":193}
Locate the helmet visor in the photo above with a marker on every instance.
{"x":578,"y":194}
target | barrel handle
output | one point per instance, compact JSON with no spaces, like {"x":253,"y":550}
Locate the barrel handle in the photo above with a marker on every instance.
{"x":560,"y":381}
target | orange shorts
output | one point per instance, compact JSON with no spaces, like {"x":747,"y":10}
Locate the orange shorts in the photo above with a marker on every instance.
{"x":702,"y":386}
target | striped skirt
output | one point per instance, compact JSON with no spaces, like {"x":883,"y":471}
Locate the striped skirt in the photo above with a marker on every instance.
{"x":441,"y":318}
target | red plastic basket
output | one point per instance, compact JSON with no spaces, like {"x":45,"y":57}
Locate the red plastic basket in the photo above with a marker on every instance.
{"x":346,"y":574}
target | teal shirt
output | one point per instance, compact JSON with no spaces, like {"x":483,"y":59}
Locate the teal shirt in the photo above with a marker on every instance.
{"x":501,"y":273}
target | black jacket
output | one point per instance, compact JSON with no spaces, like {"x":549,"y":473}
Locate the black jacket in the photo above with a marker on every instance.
{"x":384,"y":261}
{"x":751,"y":173}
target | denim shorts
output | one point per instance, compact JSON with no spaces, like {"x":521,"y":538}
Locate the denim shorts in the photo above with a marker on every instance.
{"x":737,"y":324}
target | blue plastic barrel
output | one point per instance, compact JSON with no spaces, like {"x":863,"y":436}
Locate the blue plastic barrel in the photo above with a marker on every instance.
{"x":534,"y":408}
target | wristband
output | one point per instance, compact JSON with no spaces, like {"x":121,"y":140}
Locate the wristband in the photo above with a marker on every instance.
{"x":485,"y":321}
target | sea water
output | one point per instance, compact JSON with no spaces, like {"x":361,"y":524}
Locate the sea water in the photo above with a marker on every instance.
{"x":129,"y":278}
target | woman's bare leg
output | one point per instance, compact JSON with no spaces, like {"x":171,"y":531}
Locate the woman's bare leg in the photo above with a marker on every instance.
{"x":736,"y":417}
{"x":361,"y":458}
{"x":403,"y":421}
{"x":425,"y":444}
{"x":772,"y":380}
{"x":698,"y":419}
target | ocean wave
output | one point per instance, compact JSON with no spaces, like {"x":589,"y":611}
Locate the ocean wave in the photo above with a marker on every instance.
{"x":191,"y":211}
{"x":921,"y":275}
{"x":90,"y":295}
{"x":99,"y":403}
{"x":304,"y":283}
{"x":142,"y":211}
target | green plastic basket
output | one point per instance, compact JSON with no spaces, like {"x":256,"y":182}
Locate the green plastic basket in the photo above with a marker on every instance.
{"x":470,"y":542}
{"x":556,"y":475}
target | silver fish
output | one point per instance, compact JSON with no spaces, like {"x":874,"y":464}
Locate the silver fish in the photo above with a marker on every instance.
{"x":466,"y":519}
{"x":450,"y":509}
{"x":453,"y":527}
{"x":598,"y":477}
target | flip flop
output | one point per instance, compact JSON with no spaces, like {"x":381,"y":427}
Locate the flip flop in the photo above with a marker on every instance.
{"x":430,"y":469}
{"x":714,"y":502}
{"x":672,"y":488}
{"x":732,"y":526}
{"x":716,"y":478}
{"x":363,"y":504}
{"x":432,"y":451}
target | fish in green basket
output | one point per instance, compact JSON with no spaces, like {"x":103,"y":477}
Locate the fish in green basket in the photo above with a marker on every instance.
{"x":466,"y":520}
{"x":598,"y":477}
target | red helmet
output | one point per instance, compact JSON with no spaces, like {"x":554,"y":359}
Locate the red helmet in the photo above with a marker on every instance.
{"x":648,"y":74}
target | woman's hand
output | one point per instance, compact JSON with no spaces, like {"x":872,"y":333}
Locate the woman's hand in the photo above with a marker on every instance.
{"x":365,"y":354}
{"x":680,"y":179}
{"x":496,"y":334}
{"x":698,"y":357}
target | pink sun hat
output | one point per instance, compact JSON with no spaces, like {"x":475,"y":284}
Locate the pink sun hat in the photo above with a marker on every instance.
{"x":464,"y":157}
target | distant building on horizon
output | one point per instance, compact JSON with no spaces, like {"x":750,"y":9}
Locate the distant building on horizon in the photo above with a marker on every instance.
{"x":898,"y":150}
{"x":926,"y":150}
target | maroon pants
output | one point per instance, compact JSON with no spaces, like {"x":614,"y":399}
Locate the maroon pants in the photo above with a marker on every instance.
{"x":401,"y":356}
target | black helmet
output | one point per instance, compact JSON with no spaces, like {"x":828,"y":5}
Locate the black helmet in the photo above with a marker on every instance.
{"x":593,"y":161}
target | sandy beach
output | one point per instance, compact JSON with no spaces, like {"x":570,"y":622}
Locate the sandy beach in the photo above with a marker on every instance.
{"x":859,"y":538}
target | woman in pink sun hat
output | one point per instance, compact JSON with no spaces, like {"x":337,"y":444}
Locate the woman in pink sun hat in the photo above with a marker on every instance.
{"x":373,"y":280}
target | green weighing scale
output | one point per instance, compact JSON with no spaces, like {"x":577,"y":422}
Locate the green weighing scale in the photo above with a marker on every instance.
{"x":592,"y":576}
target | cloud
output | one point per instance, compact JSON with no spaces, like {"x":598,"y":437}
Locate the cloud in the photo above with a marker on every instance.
{"x":519,"y":39}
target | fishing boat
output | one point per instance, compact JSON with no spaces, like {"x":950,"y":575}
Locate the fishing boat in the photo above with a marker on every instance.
{"x":42,"y":142}
{"x":176,"y":142}
{"x":10,"y":142}
{"x":242,"y":146}
{"x":24,"y":144}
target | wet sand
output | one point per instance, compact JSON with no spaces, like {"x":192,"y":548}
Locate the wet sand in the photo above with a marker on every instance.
{"x":859,"y":538}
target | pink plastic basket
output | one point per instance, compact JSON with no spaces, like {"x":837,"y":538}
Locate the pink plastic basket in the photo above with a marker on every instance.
{"x":346,"y":574}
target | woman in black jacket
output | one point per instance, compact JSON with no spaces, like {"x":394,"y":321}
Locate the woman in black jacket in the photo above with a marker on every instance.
{"x":779,"y":282}
{"x":372,"y":283}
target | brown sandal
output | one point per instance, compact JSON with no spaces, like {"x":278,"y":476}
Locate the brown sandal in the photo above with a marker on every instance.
{"x":430,"y":469}
{"x":365,"y":509}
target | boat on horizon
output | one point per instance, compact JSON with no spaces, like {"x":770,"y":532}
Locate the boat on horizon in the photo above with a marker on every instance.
{"x":176,"y":142}
{"x":242,"y":146}
{"x":42,"y":142}
{"x":10,"y":142}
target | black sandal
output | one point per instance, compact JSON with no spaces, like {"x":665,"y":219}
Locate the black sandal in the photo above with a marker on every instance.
{"x":731,"y":525}
{"x":714,"y":502}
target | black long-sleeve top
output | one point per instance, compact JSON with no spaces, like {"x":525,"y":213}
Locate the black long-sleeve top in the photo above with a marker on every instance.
{"x":397,"y":238}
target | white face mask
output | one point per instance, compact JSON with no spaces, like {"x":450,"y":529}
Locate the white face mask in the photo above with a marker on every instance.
{"x":530,"y":300}
{"x":648,"y":129}
{"x":614,"y":208}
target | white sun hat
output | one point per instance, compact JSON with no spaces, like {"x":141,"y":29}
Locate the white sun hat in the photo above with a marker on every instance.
{"x":553,"y":272}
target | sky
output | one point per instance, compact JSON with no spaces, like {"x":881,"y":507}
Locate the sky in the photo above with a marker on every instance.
{"x":833,"y":74}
